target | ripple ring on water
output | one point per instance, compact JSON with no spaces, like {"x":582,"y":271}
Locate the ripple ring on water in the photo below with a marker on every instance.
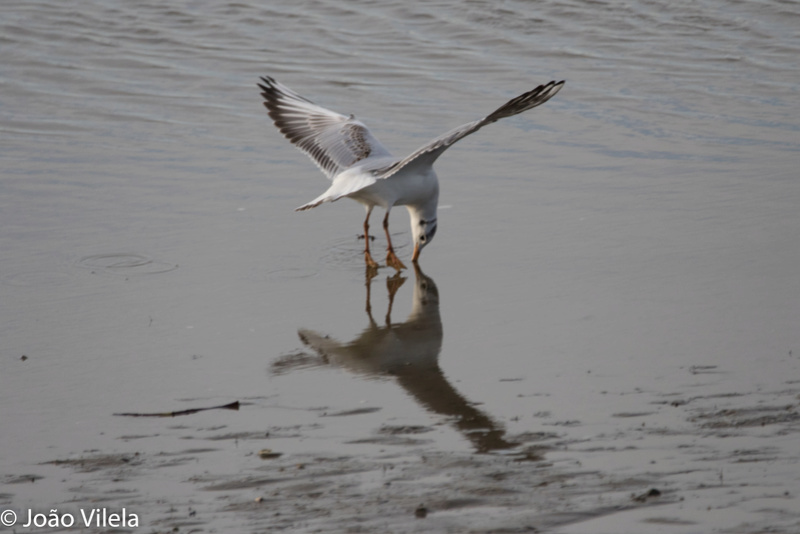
{"x":126,"y":264}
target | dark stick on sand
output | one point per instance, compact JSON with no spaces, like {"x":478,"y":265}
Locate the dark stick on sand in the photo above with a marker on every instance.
{"x":232,"y":406}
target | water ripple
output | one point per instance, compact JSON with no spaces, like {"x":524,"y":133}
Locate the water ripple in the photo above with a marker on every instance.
{"x":125,"y":264}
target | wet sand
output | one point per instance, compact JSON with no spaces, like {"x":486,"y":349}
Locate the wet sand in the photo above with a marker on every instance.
{"x":682,"y":463}
{"x":676,"y":458}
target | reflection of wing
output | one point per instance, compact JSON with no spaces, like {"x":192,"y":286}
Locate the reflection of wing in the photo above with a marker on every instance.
{"x":409,"y":352}
{"x":335,"y":142}
{"x":427,"y":154}
{"x":432,"y":390}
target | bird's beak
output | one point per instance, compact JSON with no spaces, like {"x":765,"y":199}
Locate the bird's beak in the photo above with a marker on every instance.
{"x":415,"y":257}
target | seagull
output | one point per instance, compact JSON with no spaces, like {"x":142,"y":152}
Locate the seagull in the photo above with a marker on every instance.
{"x":361,"y":168}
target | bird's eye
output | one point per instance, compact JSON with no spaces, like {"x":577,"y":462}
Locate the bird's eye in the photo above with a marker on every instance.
{"x":422,"y":238}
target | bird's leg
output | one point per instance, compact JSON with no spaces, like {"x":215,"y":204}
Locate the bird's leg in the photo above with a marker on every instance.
{"x":372,"y":265}
{"x":391,"y":258}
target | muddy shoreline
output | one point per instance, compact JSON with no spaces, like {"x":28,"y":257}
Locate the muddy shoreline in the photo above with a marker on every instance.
{"x":688,"y":477}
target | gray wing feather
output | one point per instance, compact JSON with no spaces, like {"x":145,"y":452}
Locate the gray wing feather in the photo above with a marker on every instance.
{"x":335,"y":142}
{"x":428,"y":153}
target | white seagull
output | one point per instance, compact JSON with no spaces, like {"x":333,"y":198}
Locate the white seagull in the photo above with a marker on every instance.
{"x":361,"y":168}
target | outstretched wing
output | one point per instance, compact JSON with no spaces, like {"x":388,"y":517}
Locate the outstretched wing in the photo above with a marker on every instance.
{"x":427,"y":154}
{"x":334,"y":141}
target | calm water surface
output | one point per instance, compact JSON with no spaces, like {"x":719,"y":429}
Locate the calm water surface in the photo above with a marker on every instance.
{"x":641,"y":225}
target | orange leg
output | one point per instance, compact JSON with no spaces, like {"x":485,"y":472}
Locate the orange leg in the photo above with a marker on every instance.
{"x":391,"y":258}
{"x":371,"y":264}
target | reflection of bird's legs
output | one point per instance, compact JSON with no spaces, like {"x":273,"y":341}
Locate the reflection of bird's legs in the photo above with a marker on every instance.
{"x":372,"y":265}
{"x":391,"y":259}
{"x":393,"y":283}
{"x":368,"y":283}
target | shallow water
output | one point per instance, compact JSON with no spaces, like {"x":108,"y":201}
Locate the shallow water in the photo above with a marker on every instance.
{"x":630,"y":244}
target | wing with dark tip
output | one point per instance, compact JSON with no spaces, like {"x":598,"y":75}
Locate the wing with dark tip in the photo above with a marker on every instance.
{"x":430,"y":152}
{"x":334,"y":141}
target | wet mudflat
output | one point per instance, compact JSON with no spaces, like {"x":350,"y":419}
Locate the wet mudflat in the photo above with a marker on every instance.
{"x":601,"y":339}
{"x":683,"y":462}
{"x":389,"y":441}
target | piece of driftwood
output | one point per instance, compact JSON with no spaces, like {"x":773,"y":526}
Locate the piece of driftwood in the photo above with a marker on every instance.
{"x":231,"y":406}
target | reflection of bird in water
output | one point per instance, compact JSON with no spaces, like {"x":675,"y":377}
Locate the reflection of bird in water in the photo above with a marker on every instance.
{"x":409,"y":351}
{"x":361,"y":168}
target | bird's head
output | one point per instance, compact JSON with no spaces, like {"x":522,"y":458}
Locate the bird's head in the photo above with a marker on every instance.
{"x":423,"y":227}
